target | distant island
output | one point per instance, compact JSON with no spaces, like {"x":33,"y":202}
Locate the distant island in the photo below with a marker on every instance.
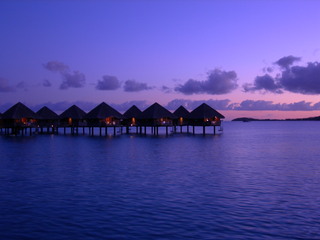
{"x":245,"y":119}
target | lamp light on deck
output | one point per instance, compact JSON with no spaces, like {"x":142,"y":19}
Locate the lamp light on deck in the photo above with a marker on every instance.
{"x":108,"y":120}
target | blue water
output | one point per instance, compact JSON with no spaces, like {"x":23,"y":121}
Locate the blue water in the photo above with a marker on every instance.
{"x":256,"y":180}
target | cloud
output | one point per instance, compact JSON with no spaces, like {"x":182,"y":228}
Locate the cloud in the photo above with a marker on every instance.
{"x":267,"y":70}
{"x":300,"y":79}
{"x":300,"y":106}
{"x":257,"y":105}
{"x":218,"y":82}
{"x":192,"y":104}
{"x":247,"y":105}
{"x":55,"y":66}
{"x":59,"y":107}
{"x":292,"y":78}
{"x":287,"y":61}
{"x":75,"y":80}
{"x":265,"y":82}
{"x":46,"y":83}
{"x":122,"y":107}
{"x":261,"y":105}
{"x":166,"y":89}
{"x":108,"y":83}
{"x":4,"y":86}
{"x":22,"y":85}
{"x":134,"y":86}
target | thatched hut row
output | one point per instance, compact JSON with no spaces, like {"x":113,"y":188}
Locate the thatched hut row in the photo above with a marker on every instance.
{"x":20,"y":116}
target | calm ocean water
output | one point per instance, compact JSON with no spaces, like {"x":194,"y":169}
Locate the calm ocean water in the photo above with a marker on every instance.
{"x":256,"y":180}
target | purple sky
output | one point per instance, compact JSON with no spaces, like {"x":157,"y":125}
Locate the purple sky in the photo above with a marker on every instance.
{"x":244,"y":58}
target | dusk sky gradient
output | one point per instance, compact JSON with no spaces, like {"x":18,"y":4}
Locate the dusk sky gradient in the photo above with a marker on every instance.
{"x":244,"y":58}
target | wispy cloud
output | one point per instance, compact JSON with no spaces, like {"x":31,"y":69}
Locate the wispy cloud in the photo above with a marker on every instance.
{"x":56,"y":66}
{"x":287,"y":61}
{"x":192,"y":104}
{"x":226,"y":104}
{"x":261,"y":105}
{"x":166,"y":89}
{"x":46,"y":83}
{"x":22,"y":85}
{"x":122,"y":107}
{"x":217,"y":82}
{"x":5,"y":87}
{"x":61,"y":106}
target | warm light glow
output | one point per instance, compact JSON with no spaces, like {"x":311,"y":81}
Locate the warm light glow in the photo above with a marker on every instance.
{"x":133,"y":121}
{"x":70,"y":121}
{"x":181,"y":120}
{"x":108,"y":120}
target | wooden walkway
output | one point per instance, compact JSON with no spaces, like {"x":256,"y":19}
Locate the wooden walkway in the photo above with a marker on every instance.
{"x":110,"y":130}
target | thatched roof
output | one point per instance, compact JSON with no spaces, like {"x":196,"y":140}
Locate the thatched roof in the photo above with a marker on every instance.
{"x":73,"y":112}
{"x":156,"y":111}
{"x":47,"y":113}
{"x":102,"y":111}
{"x":133,"y":112}
{"x":19,"y":111}
{"x":204,"y":111}
{"x":182,"y":112}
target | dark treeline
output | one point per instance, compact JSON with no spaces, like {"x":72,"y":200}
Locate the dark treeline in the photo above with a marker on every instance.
{"x":246,"y":119}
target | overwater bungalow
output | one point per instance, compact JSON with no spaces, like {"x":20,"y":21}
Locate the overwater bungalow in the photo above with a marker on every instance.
{"x":105,"y":116}
{"x":131,"y":118}
{"x":19,"y":118}
{"x":183,"y":118}
{"x":156,"y":116}
{"x":47,"y":119}
{"x":204,"y":115}
{"x":73,"y":117}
